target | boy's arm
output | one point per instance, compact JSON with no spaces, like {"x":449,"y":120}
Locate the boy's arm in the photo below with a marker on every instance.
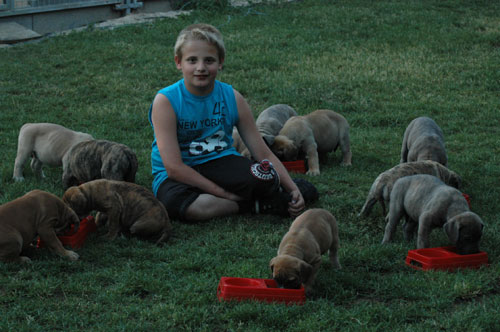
{"x":259,"y":150}
{"x":165,"y":127}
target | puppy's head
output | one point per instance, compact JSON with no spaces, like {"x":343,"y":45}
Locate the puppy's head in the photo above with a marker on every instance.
{"x":75,"y":199}
{"x":284,"y":148}
{"x":289,"y":272}
{"x":465,"y":231}
{"x":67,"y":219}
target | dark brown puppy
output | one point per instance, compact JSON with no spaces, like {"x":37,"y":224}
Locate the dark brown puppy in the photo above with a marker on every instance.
{"x":36,"y":213}
{"x":98,"y":159}
{"x":427,"y":202}
{"x":311,"y":234}
{"x":381,"y":188}
{"x":130,"y":208}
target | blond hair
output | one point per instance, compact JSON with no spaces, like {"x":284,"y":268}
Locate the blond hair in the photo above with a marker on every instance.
{"x":200,"y":31}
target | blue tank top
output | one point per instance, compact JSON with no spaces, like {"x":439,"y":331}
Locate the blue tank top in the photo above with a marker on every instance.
{"x":204,"y":126}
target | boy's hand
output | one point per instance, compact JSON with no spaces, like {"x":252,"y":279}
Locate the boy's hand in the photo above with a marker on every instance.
{"x":297,"y":204}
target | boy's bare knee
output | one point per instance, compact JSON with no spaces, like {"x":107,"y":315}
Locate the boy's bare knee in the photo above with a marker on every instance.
{"x":207,"y":206}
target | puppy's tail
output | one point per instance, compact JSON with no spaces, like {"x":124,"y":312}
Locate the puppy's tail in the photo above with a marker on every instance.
{"x":367,"y":207}
{"x":163,"y":238}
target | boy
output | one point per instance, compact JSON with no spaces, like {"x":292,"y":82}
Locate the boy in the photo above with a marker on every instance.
{"x":198,"y":174}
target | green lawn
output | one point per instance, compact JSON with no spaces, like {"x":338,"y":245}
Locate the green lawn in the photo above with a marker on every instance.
{"x":378,"y":63}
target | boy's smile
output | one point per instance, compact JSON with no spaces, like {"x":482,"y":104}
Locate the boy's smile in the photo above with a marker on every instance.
{"x":199,"y":65}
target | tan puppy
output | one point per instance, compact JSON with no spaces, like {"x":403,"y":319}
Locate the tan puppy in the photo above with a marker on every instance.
{"x":315,"y":135}
{"x":427,"y":203}
{"x":311,"y":234}
{"x":98,"y":159}
{"x":381,"y":188}
{"x":46,"y":144}
{"x":38,"y":213}
{"x":129,"y":208}
{"x":269,"y":123}
{"x":423,"y":140}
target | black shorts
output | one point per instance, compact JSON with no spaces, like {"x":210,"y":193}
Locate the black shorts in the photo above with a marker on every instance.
{"x":230,"y":172}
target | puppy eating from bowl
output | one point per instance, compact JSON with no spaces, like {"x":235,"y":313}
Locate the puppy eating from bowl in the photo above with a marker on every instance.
{"x":311,"y":234}
{"x":129,"y":208}
{"x":427,"y":202}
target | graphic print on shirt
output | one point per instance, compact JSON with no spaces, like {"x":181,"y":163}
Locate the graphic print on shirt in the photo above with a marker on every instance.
{"x":217,"y":142}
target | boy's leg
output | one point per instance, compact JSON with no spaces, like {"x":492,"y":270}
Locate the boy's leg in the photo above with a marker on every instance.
{"x":187,"y":203}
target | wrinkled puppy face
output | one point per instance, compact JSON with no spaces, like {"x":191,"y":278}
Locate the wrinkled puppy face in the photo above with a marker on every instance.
{"x":465,"y":230}
{"x":289,"y":272}
{"x":77,"y":201}
{"x":284,"y":148}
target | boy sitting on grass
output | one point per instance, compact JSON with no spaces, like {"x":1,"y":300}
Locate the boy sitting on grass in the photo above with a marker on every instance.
{"x":198,"y":175}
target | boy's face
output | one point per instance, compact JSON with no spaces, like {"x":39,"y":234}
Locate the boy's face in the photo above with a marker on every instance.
{"x":199,"y":65}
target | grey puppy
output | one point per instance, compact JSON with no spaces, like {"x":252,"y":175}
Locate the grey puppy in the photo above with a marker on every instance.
{"x":311,"y":234}
{"x":381,"y":188}
{"x":46,"y":144}
{"x":128,"y":207}
{"x":428,"y":203}
{"x":87,"y":161}
{"x":269,"y":123}
{"x":423,"y":140}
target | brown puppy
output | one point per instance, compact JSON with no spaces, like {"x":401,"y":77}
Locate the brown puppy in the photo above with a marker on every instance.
{"x":130,"y":208}
{"x":98,"y":159}
{"x":269,"y":123}
{"x":427,"y":203}
{"x":311,"y":234}
{"x":315,"y":135}
{"x":423,"y":140}
{"x":46,"y":144}
{"x":382,"y":186}
{"x":36,"y":213}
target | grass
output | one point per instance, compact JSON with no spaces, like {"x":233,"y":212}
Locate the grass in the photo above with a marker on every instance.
{"x":380,"y":64}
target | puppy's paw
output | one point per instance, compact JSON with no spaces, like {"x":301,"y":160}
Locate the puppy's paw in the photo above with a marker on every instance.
{"x":18,"y":178}
{"x":73,"y":256}
{"x":345,"y":164}
{"x":24,"y":259}
{"x":313,"y":172}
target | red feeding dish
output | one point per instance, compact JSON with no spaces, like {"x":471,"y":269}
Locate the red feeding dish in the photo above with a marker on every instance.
{"x":297,"y":166}
{"x":258,"y":289}
{"x":467,"y":198}
{"x":444,"y":258}
{"x":75,"y":240}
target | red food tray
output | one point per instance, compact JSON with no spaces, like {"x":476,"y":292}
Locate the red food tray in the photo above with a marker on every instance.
{"x":467,"y":198}
{"x":72,"y":239}
{"x":444,"y":258}
{"x":297,"y":166}
{"x":258,"y":289}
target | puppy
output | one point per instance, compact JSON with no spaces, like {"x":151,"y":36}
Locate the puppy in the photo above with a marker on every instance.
{"x":45,"y":143}
{"x":315,"y":135}
{"x":98,"y":159}
{"x":38,"y":213}
{"x":299,"y":255}
{"x":130,"y":208}
{"x":269,"y":123}
{"x":382,"y":186}
{"x":427,"y":203}
{"x":423,"y":140}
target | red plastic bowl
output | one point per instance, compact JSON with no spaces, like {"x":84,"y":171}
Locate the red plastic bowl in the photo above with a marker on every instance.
{"x":444,"y":258}
{"x":297,"y":166}
{"x":75,"y":240}
{"x":266,"y":290}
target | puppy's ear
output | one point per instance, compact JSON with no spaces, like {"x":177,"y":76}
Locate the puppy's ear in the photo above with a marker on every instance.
{"x":452,"y":229}
{"x":268,"y":139}
{"x":305,"y":271}
{"x":271,"y":264}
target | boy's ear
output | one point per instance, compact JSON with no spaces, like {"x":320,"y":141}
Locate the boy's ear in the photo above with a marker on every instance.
{"x":221,"y":63}
{"x":177,"y":61}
